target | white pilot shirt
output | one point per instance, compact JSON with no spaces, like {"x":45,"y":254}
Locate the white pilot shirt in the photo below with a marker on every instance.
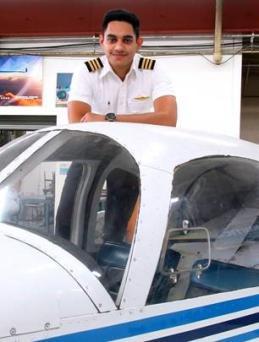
{"x":105,"y":92}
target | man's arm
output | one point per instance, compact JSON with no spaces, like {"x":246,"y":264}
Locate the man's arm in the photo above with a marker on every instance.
{"x":165,"y":113}
{"x":77,"y":110}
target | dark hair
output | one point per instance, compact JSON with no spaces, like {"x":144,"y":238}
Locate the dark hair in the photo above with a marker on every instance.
{"x":121,"y":15}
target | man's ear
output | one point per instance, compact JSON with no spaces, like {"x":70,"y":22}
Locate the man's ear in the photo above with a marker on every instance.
{"x":139,"y":42}
{"x":101,"y":39}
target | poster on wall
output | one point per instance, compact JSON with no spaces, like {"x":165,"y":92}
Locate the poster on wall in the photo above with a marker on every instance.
{"x":62,"y":88}
{"x":21,"y":80}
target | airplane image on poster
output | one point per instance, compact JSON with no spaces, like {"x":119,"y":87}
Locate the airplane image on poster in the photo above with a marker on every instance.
{"x":20,"y":80}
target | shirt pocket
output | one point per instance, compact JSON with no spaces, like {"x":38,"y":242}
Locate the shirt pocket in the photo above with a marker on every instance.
{"x":140,"y":104}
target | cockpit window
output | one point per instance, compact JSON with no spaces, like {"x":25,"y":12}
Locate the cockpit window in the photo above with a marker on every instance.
{"x":79,"y":190}
{"x":212,"y":239}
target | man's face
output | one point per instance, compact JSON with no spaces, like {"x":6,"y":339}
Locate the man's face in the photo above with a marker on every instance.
{"x":120,"y":44}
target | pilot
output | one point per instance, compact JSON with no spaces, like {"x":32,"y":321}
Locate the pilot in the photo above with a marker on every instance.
{"x":122,"y":85}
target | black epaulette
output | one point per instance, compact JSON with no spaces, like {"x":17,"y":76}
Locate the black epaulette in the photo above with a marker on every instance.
{"x":94,"y":64}
{"x":146,"y":63}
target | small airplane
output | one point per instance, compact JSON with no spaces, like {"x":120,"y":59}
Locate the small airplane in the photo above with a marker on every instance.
{"x":14,"y":71}
{"x":129,"y":232}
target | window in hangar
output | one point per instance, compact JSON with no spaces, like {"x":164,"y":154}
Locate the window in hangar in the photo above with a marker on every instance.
{"x":249,"y":126}
{"x":14,"y":126}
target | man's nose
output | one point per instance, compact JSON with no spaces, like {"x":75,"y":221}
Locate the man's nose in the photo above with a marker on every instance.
{"x":119,"y":45}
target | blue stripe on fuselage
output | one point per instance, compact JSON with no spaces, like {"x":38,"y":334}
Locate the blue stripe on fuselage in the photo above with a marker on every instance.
{"x":242,"y":337}
{"x":214,"y":329}
{"x":161,"y":322}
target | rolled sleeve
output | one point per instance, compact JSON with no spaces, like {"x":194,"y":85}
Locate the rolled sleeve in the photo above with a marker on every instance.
{"x":162,"y":85}
{"x":80,"y":89}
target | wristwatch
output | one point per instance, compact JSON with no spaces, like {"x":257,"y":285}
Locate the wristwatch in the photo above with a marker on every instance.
{"x":110,"y":117}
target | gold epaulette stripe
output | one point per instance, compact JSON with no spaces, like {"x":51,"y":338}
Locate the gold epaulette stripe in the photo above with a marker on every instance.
{"x":146,"y":63}
{"x":94,"y":64}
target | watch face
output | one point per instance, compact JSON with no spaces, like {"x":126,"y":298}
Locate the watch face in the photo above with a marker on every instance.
{"x":110,"y":117}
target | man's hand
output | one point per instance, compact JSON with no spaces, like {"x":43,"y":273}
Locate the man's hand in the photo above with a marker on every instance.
{"x":81,"y":112}
{"x":91,"y":117}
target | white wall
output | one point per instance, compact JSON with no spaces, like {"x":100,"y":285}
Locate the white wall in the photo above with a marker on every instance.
{"x":208,"y":95}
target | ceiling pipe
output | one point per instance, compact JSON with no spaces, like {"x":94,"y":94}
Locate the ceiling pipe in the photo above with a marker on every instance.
{"x":217,"y":55}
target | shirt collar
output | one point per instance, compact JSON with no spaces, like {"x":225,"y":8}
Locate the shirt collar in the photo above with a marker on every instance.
{"x":107,"y":68}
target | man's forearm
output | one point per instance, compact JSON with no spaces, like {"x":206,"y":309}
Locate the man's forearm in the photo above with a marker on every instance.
{"x":165,"y":119}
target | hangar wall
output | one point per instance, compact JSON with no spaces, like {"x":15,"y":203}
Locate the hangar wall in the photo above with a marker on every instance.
{"x":208,"y":95}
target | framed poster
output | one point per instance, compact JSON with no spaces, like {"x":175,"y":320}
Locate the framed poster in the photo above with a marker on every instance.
{"x":62,"y":88}
{"x":21,"y":80}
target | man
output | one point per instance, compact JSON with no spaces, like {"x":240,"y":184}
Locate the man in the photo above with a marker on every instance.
{"x":122,"y":84}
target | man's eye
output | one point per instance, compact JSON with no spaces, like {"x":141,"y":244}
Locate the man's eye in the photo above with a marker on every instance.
{"x":127,"y":40}
{"x":111,"y":40}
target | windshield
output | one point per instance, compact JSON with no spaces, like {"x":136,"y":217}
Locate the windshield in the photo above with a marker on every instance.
{"x":78,"y":190}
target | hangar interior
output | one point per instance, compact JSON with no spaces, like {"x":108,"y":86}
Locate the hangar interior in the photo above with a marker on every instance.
{"x":232,"y":18}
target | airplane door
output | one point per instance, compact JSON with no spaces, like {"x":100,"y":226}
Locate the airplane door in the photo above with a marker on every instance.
{"x":211,"y":244}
